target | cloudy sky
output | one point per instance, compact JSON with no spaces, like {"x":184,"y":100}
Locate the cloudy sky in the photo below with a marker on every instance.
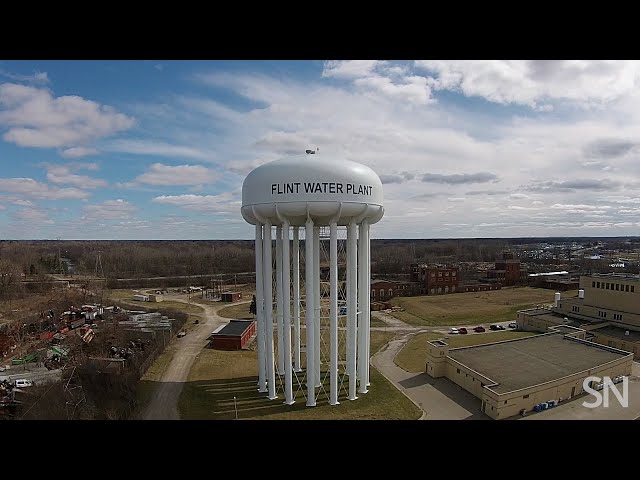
{"x":159,"y":149}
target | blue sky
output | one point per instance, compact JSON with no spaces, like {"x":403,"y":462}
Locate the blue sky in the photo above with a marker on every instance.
{"x":159,"y":149}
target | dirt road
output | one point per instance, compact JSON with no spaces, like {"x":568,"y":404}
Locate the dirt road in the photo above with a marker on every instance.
{"x":164,"y":404}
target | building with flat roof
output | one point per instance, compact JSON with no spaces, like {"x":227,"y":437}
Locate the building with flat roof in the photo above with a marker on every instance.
{"x":235,"y":335}
{"x":607,"y":307}
{"x":513,"y":376}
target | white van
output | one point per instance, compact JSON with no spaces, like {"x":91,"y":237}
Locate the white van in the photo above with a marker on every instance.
{"x":22,"y":383}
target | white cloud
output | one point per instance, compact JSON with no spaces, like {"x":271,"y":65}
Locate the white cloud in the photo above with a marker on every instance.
{"x":378,"y":77}
{"x":35,"y":118}
{"x":349,"y":68}
{"x":529,"y":161}
{"x":223,"y":203}
{"x":413,"y":89}
{"x":109,"y":210}
{"x":33,"y":215}
{"x":35,"y":77}
{"x":157,"y":148}
{"x":159,"y":174}
{"x":76,"y":152}
{"x":62,"y":174}
{"x":30,"y":188}
{"x":533,"y":82}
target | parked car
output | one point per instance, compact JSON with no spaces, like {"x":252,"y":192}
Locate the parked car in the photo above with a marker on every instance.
{"x":21,"y":383}
{"x":494,"y":327}
{"x":181,"y":333}
{"x":462,"y":331}
{"x":513,"y":325}
{"x":453,"y":331}
{"x":479,"y":329}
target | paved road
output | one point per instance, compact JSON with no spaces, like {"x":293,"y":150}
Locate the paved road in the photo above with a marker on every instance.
{"x":434,"y":396}
{"x":164,"y":405}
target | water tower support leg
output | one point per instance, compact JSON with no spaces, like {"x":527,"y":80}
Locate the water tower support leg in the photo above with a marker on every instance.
{"x":367,"y":252}
{"x":362,"y":301}
{"x":309,"y":330}
{"x":333,"y":334}
{"x":268,"y":309}
{"x":286,"y":302}
{"x":296,"y":299}
{"x":316,"y":301}
{"x":352,"y":305}
{"x":262,"y":381}
{"x":279,"y":305}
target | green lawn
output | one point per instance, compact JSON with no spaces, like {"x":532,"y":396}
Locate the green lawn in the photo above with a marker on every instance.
{"x":412,"y":357}
{"x":472,"y":307}
{"x":217,"y":376}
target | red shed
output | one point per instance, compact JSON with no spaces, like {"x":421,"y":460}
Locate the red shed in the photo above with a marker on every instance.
{"x":231,"y":296}
{"x":233,"y":336}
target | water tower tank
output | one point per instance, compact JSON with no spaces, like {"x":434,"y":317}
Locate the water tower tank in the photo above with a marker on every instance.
{"x":312,"y":195}
{"x":312,"y":187}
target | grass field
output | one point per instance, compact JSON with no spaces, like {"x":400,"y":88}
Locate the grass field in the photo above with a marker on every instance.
{"x":376,"y":322}
{"x":217,"y":376}
{"x":472,"y":307}
{"x":152,"y":376}
{"x":240,"y":312}
{"x":126,"y":297}
{"x":412,"y":357}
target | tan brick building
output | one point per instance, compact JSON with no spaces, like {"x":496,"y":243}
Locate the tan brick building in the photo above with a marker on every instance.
{"x":607,"y":307}
{"x":515,"y":375}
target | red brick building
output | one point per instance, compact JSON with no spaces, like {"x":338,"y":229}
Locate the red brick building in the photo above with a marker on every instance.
{"x":233,"y":336}
{"x":436,"y":279}
{"x":382,"y":290}
{"x":507,"y":271}
{"x":480,"y":287}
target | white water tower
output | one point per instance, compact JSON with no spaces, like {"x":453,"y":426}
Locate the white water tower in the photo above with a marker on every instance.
{"x":306,"y":197}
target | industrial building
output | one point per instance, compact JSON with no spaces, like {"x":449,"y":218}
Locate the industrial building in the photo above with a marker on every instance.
{"x":383,"y":290}
{"x":231,"y":296}
{"x":607,"y":307}
{"x":435,"y":279}
{"x":507,"y":270}
{"x":480,"y":286}
{"x":559,"y":281}
{"x":235,"y":335}
{"x":512,"y":377}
